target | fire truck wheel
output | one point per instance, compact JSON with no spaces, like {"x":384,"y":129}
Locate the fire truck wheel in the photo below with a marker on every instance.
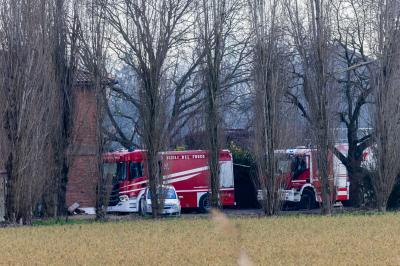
{"x":307,"y":201}
{"x":204,"y":203}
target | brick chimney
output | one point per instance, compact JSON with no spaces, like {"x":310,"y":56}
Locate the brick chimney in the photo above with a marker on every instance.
{"x":83,"y":171}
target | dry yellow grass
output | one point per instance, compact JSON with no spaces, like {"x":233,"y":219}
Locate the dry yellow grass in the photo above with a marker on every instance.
{"x":304,"y":240}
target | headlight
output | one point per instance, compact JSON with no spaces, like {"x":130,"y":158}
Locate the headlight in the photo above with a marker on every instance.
{"x":123,"y":198}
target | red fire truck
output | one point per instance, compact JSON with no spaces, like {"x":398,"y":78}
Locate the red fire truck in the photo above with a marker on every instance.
{"x":187,"y":171}
{"x":298,"y":173}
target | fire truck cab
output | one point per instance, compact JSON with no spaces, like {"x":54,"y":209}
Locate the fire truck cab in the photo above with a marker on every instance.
{"x":300,"y":181}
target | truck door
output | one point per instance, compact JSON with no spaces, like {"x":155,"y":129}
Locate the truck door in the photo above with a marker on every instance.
{"x":226,"y":174}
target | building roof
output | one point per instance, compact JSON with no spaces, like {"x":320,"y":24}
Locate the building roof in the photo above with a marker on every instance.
{"x":86,"y":78}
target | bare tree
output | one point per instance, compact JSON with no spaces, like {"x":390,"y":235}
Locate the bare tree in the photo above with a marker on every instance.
{"x":385,"y":79}
{"x":28,"y":81}
{"x":64,"y":48}
{"x":213,"y":46}
{"x":146,"y":32}
{"x":352,"y":36}
{"x":269,"y":76}
{"x":224,"y":56}
{"x":312,"y":43}
{"x":36,"y":78}
{"x":93,"y":46}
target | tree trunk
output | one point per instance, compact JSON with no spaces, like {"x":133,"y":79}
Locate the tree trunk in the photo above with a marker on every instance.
{"x":10,"y":192}
{"x":355,"y":180}
{"x":381,"y":202}
{"x":154,"y":183}
{"x":213,"y":149}
{"x":322,"y":160}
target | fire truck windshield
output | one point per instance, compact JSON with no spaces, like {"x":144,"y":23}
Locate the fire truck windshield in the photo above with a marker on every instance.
{"x":283,"y":165}
{"x":121,"y":171}
{"x":135,"y":170}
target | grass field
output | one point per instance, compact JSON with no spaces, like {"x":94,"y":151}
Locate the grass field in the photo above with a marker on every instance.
{"x":302,"y":240}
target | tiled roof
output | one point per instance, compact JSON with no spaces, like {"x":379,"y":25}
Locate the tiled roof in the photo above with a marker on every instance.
{"x":85,"y":78}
